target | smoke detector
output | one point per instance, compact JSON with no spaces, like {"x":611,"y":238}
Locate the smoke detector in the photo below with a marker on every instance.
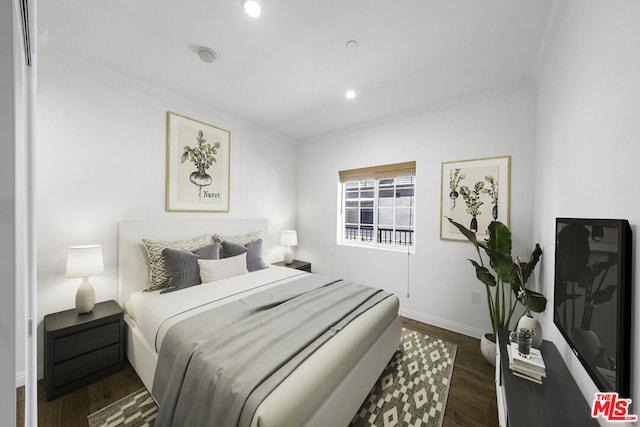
{"x":207,"y":55}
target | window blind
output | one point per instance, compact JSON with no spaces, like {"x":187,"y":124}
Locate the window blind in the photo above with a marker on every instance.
{"x":394,"y":170}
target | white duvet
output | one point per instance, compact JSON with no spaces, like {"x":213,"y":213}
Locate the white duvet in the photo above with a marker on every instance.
{"x":154,"y":313}
{"x":301,"y":398}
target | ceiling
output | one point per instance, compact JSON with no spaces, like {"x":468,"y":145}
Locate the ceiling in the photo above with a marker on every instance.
{"x":289,"y":69}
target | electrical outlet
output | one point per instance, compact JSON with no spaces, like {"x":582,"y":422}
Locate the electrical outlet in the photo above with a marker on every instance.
{"x":475,"y":297}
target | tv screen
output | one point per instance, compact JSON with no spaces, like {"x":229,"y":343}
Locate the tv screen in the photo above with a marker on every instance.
{"x":592,"y":297}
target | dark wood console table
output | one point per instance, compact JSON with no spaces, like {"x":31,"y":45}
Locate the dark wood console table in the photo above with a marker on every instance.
{"x":556,"y":402}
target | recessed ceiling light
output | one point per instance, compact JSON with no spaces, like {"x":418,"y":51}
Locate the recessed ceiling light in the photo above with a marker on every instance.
{"x":251,"y":8}
{"x":350,"y":94}
{"x":206,"y":54}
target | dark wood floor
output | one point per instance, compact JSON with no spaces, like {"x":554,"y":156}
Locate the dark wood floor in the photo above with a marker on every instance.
{"x":472,"y":394}
{"x":471,"y":402}
{"x":71,"y":410}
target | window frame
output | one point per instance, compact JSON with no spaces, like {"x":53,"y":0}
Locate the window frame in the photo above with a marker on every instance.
{"x":376,"y":175}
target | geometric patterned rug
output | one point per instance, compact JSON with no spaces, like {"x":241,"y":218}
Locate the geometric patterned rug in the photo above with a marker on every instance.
{"x":135,"y":410}
{"x":412,"y":391}
{"x":413,"y":388}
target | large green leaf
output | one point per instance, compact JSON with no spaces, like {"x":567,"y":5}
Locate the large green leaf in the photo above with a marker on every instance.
{"x":483,"y":274}
{"x":528,"y":267}
{"x":503,"y":265}
{"x":498,"y":248}
{"x":470,"y":235}
{"x":499,"y":238}
{"x":537,"y":301}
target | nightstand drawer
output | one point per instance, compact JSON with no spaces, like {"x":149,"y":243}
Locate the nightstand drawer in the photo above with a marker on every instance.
{"x":71,"y":370}
{"x":76,"y":344}
{"x":80,"y":349}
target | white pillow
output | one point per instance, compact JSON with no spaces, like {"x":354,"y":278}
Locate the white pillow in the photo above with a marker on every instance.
{"x":218,"y":269}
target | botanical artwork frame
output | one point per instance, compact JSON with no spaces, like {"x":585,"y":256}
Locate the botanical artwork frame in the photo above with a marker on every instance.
{"x":198,"y":165}
{"x":474,"y":192}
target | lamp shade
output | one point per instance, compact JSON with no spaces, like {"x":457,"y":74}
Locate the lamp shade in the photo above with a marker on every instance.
{"x":289,"y":238}
{"x":84,"y":261}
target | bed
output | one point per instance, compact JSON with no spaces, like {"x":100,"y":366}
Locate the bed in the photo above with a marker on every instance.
{"x":326,"y":389}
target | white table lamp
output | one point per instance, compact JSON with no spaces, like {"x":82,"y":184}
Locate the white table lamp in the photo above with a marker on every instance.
{"x":84,"y":261}
{"x":288,"y":238}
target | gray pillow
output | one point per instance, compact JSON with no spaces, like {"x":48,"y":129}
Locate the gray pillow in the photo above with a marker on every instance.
{"x":183,"y":268}
{"x":253,"y":250}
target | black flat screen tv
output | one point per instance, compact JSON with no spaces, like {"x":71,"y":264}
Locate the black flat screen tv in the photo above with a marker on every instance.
{"x":592,"y":297}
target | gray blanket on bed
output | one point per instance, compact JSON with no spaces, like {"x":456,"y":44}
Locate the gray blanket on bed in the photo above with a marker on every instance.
{"x":215,"y":368}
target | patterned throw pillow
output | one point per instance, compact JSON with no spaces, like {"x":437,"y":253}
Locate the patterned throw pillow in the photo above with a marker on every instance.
{"x":218,"y":269}
{"x":240,"y":239}
{"x":158,"y":274}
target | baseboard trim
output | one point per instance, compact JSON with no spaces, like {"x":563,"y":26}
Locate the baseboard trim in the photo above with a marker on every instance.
{"x":20,"y":376}
{"x":442,"y":323}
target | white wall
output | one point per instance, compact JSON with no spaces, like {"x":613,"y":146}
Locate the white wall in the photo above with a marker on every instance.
{"x":7,"y":213}
{"x":101,"y":160}
{"x":588,"y":133}
{"x":501,"y":122}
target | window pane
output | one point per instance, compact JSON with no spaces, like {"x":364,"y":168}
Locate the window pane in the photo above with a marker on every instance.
{"x":404,"y":180}
{"x":352,"y":195}
{"x":351,"y":184}
{"x":351,"y":216}
{"x":366,"y":194}
{"x":366,"y":203}
{"x":366,"y":216}
{"x":404,"y":201}
{"x":386,"y":202}
{"x":352,"y":203}
{"x":385,"y":193}
{"x":404,"y":216}
{"x":385,"y":217}
{"x":404,"y":192}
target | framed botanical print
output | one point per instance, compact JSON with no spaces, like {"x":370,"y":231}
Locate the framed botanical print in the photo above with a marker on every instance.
{"x":198,"y":160}
{"x":474,"y":193}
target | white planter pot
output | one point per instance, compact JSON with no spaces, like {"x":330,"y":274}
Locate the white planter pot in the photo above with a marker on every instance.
{"x":488,"y":348}
{"x":531,"y":322}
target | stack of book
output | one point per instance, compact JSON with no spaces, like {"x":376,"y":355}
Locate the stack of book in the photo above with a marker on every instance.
{"x":531,"y":368}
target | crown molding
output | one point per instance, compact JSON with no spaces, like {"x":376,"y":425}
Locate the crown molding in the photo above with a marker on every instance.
{"x":425,"y":110}
{"x":556,"y":11}
{"x":169,"y":96}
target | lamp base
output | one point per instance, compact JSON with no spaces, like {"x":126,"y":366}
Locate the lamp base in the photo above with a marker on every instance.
{"x":85,"y":297}
{"x":288,"y":255}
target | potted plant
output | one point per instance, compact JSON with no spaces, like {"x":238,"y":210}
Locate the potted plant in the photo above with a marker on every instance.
{"x":504,"y":278}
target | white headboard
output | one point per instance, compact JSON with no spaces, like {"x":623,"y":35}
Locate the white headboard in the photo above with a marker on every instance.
{"x":133,"y":262}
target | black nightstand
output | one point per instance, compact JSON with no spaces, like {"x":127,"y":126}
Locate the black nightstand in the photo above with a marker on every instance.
{"x":297,"y":264}
{"x":82,"y":348}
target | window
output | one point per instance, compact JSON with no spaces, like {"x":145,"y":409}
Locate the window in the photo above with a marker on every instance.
{"x":378,"y":206}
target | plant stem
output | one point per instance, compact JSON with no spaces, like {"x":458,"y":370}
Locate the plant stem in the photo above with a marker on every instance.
{"x":513,"y":308}
{"x":491,"y":310}
{"x":496,"y":307}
